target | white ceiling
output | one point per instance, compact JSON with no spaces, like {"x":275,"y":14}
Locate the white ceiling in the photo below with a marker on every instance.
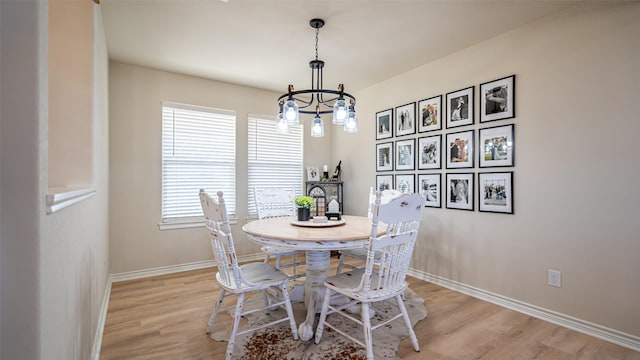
{"x":268,"y":44}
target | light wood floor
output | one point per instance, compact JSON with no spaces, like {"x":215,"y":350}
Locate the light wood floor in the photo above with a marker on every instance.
{"x":164,"y":317}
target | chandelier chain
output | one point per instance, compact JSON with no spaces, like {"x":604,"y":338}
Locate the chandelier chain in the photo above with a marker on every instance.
{"x":317,"y":31}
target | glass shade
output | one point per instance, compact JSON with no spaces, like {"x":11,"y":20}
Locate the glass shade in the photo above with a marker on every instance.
{"x":351,"y":124}
{"x":340,"y":112}
{"x":282,"y":126}
{"x":291,"y":113}
{"x":317,"y":128}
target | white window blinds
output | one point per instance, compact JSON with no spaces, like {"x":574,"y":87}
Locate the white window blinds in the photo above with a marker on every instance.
{"x":275,"y":160}
{"x":198,"y":152}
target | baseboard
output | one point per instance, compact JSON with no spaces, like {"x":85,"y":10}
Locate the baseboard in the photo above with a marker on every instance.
{"x":102,"y":317}
{"x":614,"y":336}
{"x":164,"y":270}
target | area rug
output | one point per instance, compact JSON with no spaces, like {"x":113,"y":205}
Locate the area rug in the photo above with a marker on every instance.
{"x":276,"y":342}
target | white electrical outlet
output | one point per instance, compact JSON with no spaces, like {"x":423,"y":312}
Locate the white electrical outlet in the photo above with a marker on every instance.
{"x":554,"y":278}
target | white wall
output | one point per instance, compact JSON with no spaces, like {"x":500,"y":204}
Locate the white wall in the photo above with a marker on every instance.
{"x":135,"y":96}
{"x":23,"y":29}
{"x":54,"y":267}
{"x":576,"y":173}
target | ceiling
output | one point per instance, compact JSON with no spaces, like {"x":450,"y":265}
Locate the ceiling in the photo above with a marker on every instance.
{"x":268,"y":44}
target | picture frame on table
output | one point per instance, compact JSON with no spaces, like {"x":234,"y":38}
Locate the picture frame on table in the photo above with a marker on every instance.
{"x":430,"y":189}
{"x":497,"y":99}
{"x":495,"y":192}
{"x":384,"y":124}
{"x":405,"y":119}
{"x":460,"y":149}
{"x":384,"y":182}
{"x":459,"y":188}
{"x":460,"y":108}
{"x":384,"y":156}
{"x":313,"y":174}
{"x":429,"y":152}
{"x":405,"y":183}
{"x":430,"y":114}
{"x":496,"y":146}
{"x":405,"y":154}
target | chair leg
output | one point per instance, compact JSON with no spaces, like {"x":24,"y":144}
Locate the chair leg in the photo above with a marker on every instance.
{"x":407,"y":323}
{"x":292,"y":320}
{"x":340,"y":264}
{"x":236,"y":323}
{"x":214,"y":313}
{"x":323,"y":316}
{"x":366,"y":324}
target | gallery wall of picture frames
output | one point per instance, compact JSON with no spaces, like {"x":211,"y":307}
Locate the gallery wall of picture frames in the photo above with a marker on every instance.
{"x":416,"y":153}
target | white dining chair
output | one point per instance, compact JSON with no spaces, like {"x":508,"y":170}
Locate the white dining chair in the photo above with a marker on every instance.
{"x":278,"y":202}
{"x":382,"y":281}
{"x":240,"y":280}
{"x":360,"y":254}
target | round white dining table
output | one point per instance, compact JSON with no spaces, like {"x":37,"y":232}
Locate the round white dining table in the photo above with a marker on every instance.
{"x":317,"y":240}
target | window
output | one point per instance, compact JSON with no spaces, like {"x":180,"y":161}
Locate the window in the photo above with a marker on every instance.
{"x":275,"y":160}
{"x":198,"y":152}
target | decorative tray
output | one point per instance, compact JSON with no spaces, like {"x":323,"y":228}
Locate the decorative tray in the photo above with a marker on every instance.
{"x":311,"y":223}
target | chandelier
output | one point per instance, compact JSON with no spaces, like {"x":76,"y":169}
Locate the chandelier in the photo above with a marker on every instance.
{"x":317,"y":101}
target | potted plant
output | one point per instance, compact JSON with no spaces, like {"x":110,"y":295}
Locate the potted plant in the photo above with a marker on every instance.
{"x":304,"y":204}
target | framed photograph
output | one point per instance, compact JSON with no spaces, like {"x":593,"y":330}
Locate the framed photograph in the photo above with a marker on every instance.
{"x":384,"y":156}
{"x":384,"y":182}
{"x":430,"y":114}
{"x":405,"y":183}
{"x":405,"y":154}
{"x":460,"y":149}
{"x":495,"y":192}
{"x":429,"y":152}
{"x":497,"y":99}
{"x":313,"y":174}
{"x":429,"y":188}
{"x":384,"y":124}
{"x":460,"y":191}
{"x":496,"y":146}
{"x":406,"y":119}
{"x":460,"y":107}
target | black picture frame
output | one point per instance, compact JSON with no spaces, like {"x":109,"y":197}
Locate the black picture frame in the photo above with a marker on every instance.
{"x":430,"y":187}
{"x":497,"y":99}
{"x":405,"y":183}
{"x":459,"y":189}
{"x":429,"y":152}
{"x":495,"y":192}
{"x":405,"y":154}
{"x":384,"y":156}
{"x":384,"y":124}
{"x":430,"y":114}
{"x":460,"y":148}
{"x":496,"y":146}
{"x":405,"y":117}
{"x":384,"y":182}
{"x":460,"y":107}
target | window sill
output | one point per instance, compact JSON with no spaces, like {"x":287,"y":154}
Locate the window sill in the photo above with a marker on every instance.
{"x":60,"y":198}
{"x":185,"y":224}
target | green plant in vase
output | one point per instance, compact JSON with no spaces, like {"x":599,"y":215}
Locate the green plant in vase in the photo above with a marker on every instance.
{"x":304,"y":204}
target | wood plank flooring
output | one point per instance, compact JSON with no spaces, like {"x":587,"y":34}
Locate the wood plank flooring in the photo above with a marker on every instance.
{"x":164,"y":317}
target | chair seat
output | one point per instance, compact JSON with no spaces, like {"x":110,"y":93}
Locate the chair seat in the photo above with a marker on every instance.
{"x":256,"y":276}
{"x":348,"y":284}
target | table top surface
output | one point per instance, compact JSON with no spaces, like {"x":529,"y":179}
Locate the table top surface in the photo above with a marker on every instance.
{"x":354,"y":228}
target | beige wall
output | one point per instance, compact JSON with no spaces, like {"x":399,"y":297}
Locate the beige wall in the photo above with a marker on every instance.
{"x":135,"y":95}
{"x":576,"y":174}
{"x":54,"y":267}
